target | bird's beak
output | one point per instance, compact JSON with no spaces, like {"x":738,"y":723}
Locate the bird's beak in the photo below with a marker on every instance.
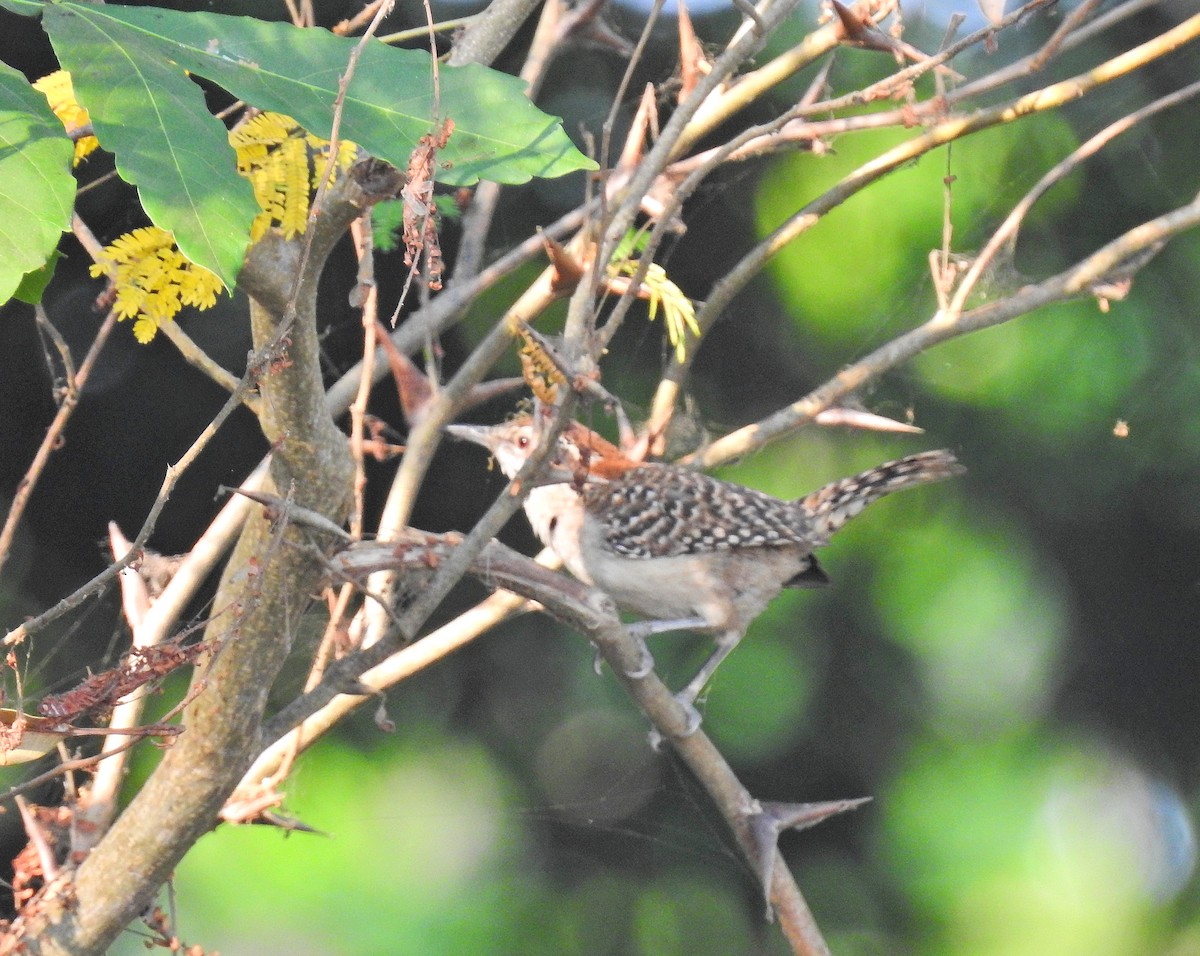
{"x":479,"y":434}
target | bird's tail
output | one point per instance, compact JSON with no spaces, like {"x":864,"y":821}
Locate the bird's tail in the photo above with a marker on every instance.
{"x":828,"y":508}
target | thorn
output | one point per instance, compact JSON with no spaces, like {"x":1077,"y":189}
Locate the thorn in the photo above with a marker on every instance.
{"x":135,"y":596}
{"x":602,"y":34}
{"x":854,"y":418}
{"x":645,"y":122}
{"x":854,"y":27}
{"x":411,"y":383}
{"x":801,"y":816}
{"x":568,"y":271}
{"x":772,"y":818}
{"x":286,"y":823}
{"x":693,"y":64}
{"x":587,"y":22}
{"x":819,"y":84}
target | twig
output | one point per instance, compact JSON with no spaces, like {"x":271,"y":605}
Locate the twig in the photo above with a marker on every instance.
{"x":365,"y":15}
{"x":364,"y":247}
{"x":100,"y":808}
{"x":452,"y":304}
{"x":427,"y":433}
{"x":1006,"y":234}
{"x":593,"y":613}
{"x":1070,"y":24}
{"x":199,"y":359}
{"x":947,"y":131}
{"x":1021,"y":68}
{"x":442,"y":26}
{"x":1071,"y":283}
{"x":53,"y":437}
{"x":671,"y":142}
{"x":339,"y":105}
{"x":309,"y":717}
{"x":170,"y":479}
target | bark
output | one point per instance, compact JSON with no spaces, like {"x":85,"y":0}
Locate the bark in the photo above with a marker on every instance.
{"x":265,"y":588}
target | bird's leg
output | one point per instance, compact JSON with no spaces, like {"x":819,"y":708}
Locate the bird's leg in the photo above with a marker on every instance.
{"x":726,"y":642}
{"x":646,"y":629}
{"x":640,"y":630}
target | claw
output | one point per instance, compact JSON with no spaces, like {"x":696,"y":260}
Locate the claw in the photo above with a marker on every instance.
{"x":655,"y":738}
{"x":687,"y":702}
{"x":645,"y":665}
{"x":643,"y":668}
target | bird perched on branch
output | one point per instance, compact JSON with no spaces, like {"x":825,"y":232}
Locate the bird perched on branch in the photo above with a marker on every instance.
{"x":684,"y":550}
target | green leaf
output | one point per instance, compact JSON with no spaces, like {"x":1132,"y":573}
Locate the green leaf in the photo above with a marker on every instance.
{"x":37,"y":190}
{"x":33,"y":284}
{"x":498,"y":133}
{"x":154,"y":119}
{"x":386,"y":219}
{"x":26,"y":8}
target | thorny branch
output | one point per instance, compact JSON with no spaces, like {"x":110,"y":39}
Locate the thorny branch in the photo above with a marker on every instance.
{"x":717,"y":97}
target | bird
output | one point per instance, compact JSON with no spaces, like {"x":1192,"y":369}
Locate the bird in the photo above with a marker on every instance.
{"x":680,"y":548}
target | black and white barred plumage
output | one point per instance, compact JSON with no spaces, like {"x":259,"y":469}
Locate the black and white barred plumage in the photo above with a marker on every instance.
{"x":655,"y":511}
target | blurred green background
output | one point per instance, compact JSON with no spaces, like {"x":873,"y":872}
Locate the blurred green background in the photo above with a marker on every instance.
{"x":1007,"y":663}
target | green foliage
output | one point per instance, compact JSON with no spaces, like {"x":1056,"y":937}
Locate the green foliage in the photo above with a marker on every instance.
{"x":498,"y":133}
{"x":130,"y":67}
{"x":33,"y":284}
{"x":37,"y":190}
{"x":1020,"y":845}
{"x":387,"y":218}
{"x":984,"y":628}
{"x":777,"y":720}
{"x":155,"y":121}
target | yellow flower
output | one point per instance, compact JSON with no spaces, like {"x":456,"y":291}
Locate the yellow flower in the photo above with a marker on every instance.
{"x":284,"y":164}
{"x":154,"y":280}
{"x":60,"y":94}
{"x":679,"y":313}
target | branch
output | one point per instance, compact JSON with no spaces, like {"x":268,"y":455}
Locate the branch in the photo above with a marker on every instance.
{"x":592,"y":612}
{"x":945,"y":132}
{"x":1070,"y":284}
{"x":179,"y":802}
{"x":489,"y":33}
